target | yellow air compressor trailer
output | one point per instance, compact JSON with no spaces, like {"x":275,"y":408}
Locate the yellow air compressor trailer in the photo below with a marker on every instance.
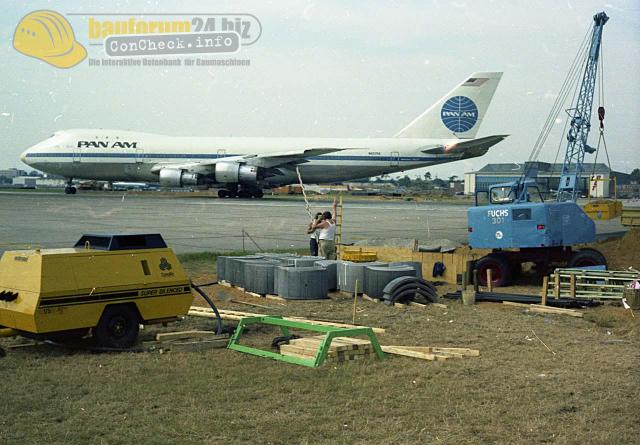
{"x":107,"y":283}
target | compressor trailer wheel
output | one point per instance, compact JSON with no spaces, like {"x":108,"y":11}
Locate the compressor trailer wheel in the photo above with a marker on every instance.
{"x":118,"y":327}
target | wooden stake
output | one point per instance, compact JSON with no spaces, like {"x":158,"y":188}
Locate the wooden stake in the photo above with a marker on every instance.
{"x":475,"y":280}
{"x":556,"y":284}
{"x":489,"y":285}
{"x":355,"y":301}
{"x":545,"y":284}
{"x":572,"y":284}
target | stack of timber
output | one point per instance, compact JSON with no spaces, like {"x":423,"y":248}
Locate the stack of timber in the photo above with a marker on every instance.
{"x":348,"y":348}
{"x":341,"y":349}
{"x":596,"y":284}
{"x":430,"y":353}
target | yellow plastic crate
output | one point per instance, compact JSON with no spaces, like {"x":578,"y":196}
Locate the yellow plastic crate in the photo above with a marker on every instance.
{"x":603,"y":209}
{"x":359,"y":255}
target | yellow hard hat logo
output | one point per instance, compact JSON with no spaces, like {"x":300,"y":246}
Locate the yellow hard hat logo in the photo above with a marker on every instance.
{"x":48,"y":36}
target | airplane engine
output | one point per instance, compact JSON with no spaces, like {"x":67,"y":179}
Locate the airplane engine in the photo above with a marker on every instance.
{"x":234,"y":173}
{"x":172,"y":177}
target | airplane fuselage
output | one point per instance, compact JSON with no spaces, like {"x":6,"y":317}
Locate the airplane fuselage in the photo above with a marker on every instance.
{"x":113,"y":155}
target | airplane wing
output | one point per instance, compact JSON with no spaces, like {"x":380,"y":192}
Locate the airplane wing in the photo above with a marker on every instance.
{"x":291,"y":157}
{"x":267,"y":160}
{"x":471,"y":147}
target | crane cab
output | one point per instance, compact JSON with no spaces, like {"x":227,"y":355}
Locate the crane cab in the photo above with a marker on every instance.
{"x":517,"y":216}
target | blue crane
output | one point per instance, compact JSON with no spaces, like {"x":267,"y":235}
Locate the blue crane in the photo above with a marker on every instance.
{"x":517,"y":223}
{"x":580,"y":117}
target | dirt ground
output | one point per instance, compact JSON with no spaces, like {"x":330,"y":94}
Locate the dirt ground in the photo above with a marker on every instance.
{"x":581,"y":388}
{"x":622,"y":253}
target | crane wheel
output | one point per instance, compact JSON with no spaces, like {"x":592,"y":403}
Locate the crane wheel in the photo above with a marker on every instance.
{"x":500,"y":270}
{"x":118,"y":327}
{"x":586,"y":258}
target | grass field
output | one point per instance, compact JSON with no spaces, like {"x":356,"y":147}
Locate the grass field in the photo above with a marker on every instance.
{"x":517,"y":391}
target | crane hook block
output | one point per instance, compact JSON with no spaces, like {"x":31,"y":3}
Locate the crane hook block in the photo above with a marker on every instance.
{"x":601,"y":116}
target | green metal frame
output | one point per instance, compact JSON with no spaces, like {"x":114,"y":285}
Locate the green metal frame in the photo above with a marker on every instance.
{"x":331,"y":332}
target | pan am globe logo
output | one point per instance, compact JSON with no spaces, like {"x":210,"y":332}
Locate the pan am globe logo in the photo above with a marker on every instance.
{"x":459,"y":114}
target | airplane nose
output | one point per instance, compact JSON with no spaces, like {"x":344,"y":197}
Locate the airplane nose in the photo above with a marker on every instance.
{"x":23,"y":157}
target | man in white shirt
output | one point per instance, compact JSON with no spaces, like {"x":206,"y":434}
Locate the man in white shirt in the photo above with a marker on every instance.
{"x":327,"y":233}
{"x":313,"y":235}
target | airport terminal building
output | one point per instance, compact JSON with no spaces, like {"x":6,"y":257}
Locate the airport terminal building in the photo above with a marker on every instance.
{"x":548,"y":177}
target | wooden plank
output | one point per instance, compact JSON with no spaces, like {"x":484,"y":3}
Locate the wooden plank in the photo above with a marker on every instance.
{"x":513,"y":303}
{"x":184,"y":334}
{"x":298,"y":350}
{"x":468,"y":352}
{"x":452,"y":351}
{"x":368,"y":298}
{"x":226,"y":314}
{"x":186,"y":345}
{"x":254,"y":294}
{"x":337,"y":344}
{"x":538,"y":308}
{"x":275,"y":298}
{"x":573,"y":286}
{"x":332,"y":356}
{"x":543,"y":295}
{"x":396,"y":350}
{"x":611,"y":287}
{"x":439,"y":305}
{"x":623,"y":274}
{"x":555,"y":310}
{"x":261,"y":306}
{"x":224,"y":283}
{"x":335,"y":324}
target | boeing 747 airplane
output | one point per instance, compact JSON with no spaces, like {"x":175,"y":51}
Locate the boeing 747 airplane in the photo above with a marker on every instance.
{"x":446,"y":132}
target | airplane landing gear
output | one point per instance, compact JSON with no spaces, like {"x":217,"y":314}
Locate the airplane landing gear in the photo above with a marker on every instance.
{"x":69,"y":189}
{"x":243,"y":193}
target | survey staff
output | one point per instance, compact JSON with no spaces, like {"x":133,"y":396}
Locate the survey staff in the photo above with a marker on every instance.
{"x":327,"y":233}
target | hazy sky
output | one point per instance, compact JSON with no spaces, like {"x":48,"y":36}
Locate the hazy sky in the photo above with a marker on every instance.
{"x":334,"y":69}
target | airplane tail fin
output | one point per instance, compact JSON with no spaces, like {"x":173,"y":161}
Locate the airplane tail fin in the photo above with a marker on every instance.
{"x":459,"y":113}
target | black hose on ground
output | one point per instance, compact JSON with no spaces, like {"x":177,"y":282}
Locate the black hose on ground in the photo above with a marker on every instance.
{"x":204,"y":295}
{"x":283,"y":340}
